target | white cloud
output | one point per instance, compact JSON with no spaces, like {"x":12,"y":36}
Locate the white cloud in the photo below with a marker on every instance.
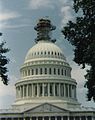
{"x":7,"y":93}
{"x":36,"y":4}
{"x":66,"y":11}
{"x":7,"y":15}
{"x":6,"y":25}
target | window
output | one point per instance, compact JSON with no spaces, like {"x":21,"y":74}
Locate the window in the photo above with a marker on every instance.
{"x":56,"y":89}
{"x":58,"y":71}
{"x":45,"y":89}
{"x":69,"y":90}
{"x":35,"y":89}
{"x":32,"y":72}
{"x":24,"y":91}
{"x":89,"y":118}
{"x":45,"y":70}
{"x":36,"y":71}
{"x":62,"y":72}
{"x":41,"y":53}
{"x":29,"y":90}
{"x":48,"y":52}
{"x":49,"y":70}
{"x":66,"y":90}
{"x":28,"y":72}
{"x":65,"y":118}
{"x":65,"y":72}
{"x":62,"y":89}
{"x":58,"y":118}
{"x":55,"y":53}
{"x":52,"y":53}
{"x":54,"y":71}
{"x":45,"y":52}
{"x":40,"y":70}
{"x":40,"y":88}
{"x":51,"y":89}
{"x":83,"y":118}
{"x":77,"y":118}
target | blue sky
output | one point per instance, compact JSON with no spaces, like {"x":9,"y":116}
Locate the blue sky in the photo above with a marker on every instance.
{"x":17,"y":21}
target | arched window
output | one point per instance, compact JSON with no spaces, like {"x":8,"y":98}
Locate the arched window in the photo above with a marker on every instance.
{"x":55,"y":53}
{"x":52,"y":52}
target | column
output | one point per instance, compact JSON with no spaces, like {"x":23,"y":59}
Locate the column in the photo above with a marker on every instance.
{"x":48,"y":89}
{"x":64,"y":91}
{"x":54,"y":89}
{"x":37,"y":90}
{"x":32,"y":91}
{"x":23,"y":91}
{"x":20,"y":91}
{"x":68,"y":117}
{"x":68,"y":90}
{"x":59,"y":90}
{"x":75,"y":91}
{"x":55,"y":117}
{"x":49,"y":118}
{"x":43,"y":89}
{"x":61,"y":117}
{"x":27,"y":90}
{"x":30,"y":118}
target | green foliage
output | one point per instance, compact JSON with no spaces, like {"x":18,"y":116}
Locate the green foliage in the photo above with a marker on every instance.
{"x":3,"y":62}
{"x":81,"y":34}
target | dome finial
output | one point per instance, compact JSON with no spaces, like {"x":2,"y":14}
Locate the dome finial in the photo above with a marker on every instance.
{"x":44,"y":28}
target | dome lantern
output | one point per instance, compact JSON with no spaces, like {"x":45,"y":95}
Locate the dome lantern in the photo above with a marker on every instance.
{"x":44,"y":28}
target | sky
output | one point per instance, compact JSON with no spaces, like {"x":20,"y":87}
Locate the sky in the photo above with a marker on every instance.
{"x":17,"y":21}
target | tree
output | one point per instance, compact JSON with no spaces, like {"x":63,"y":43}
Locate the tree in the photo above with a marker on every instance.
{"x":3,"y":62}
{"x":81,"y":34}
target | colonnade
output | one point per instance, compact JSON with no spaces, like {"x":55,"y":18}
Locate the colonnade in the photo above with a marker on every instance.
{"x":48,"y":71}
{"x":52,"y":118}
{"x":46,"y":89}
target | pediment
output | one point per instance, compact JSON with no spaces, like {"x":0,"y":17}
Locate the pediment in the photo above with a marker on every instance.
{"x":46,"y":108}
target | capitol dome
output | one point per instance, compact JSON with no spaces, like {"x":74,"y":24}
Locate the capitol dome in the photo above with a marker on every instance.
{"x":45,"y":73}
{"x":44,"y":49}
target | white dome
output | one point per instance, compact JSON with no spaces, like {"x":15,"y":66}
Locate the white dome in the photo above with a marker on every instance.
{"x":44,"y":48}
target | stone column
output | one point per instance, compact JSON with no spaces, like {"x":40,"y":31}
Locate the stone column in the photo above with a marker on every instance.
{"x":49,"y":118}
{"x":64,"y":90}
{"x":48,"y":89}
{"x":54,"y":89}
{"x":43,"y":89}
{"x":68,"y":90}
{"x":61,"y":117}
{"x":37,"y":90}
{"x":23,"y":91}
{"x":55,"y":117}
{"x":32,"y":91}
{"x":27,"y":90}
{"x":59,"y":90}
